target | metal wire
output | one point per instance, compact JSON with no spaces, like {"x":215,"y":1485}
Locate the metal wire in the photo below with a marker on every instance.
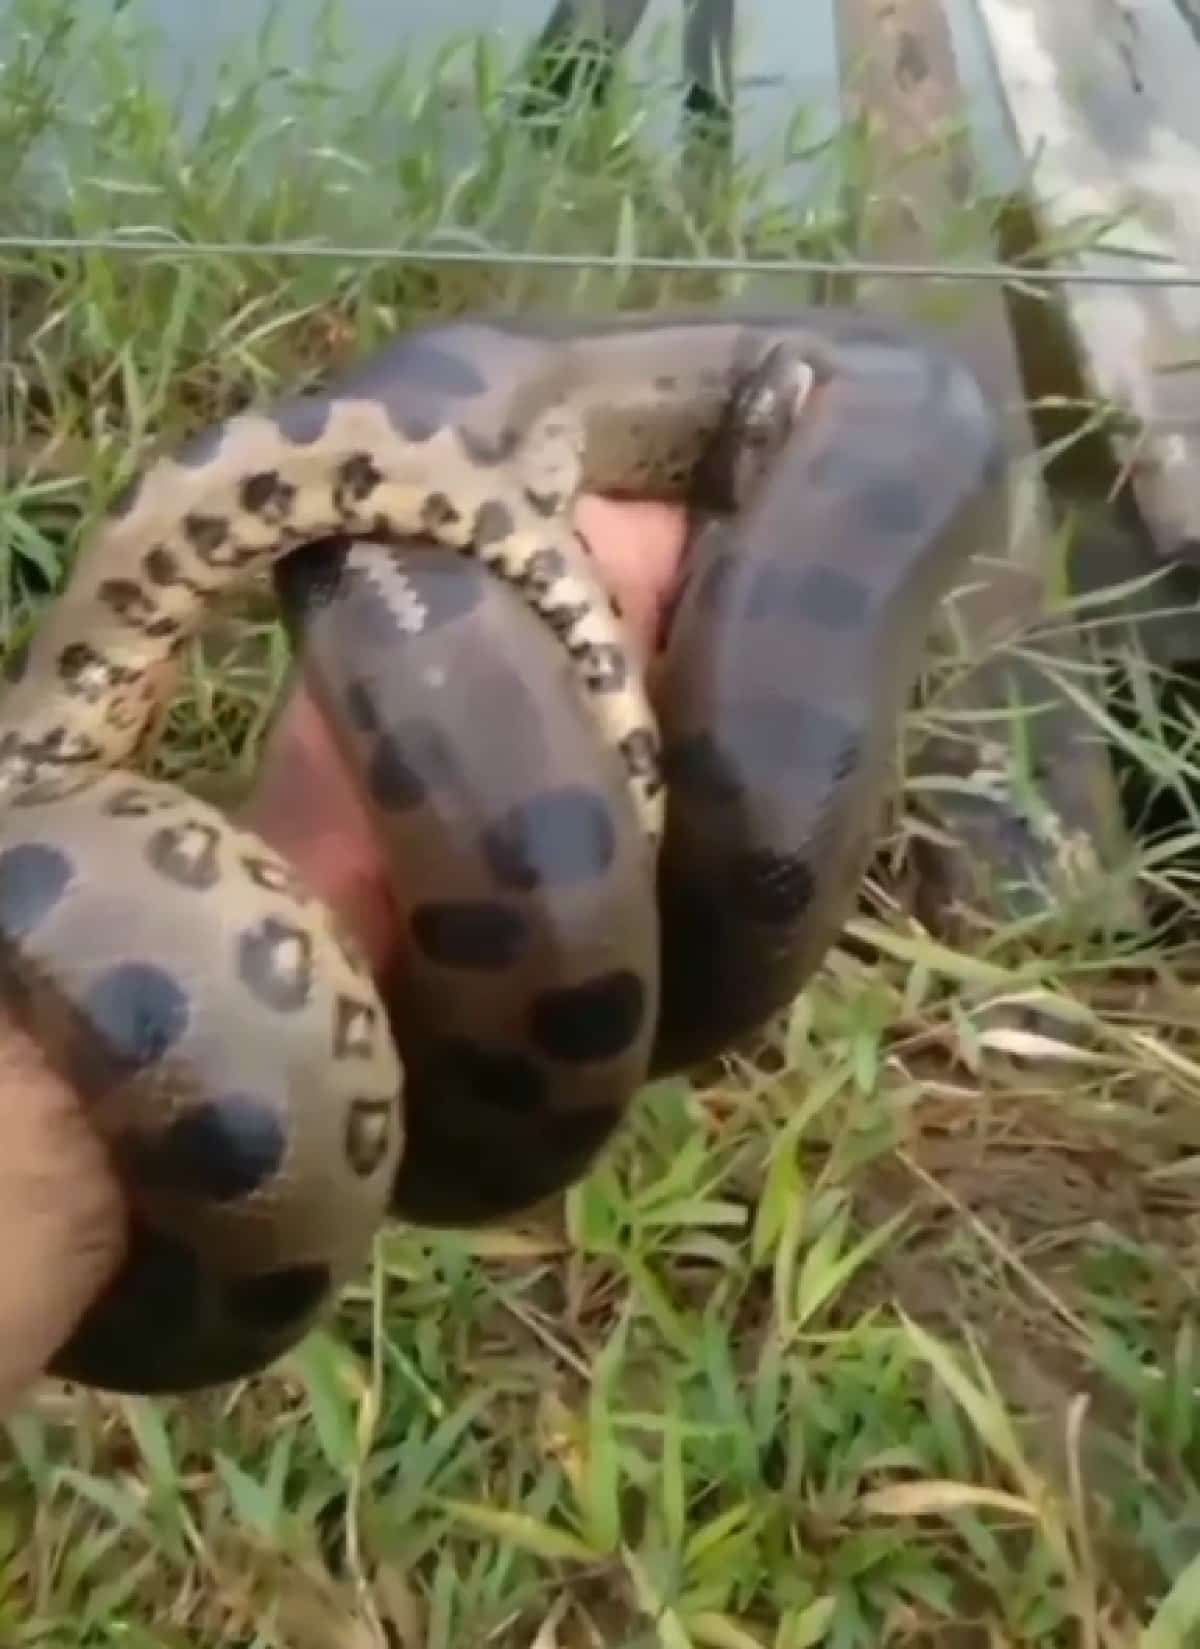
{"x":506,"y":257}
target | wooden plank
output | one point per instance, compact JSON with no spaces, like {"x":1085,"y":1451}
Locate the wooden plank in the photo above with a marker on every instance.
{"x":708,"y":56}
{"x":577,"y":46}
{"x":1104,"y":98}
{"x":584,"y":36}
{"x":899,"y":70}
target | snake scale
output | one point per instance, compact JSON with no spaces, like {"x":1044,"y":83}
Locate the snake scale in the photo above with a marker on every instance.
{"x":594,"y":891}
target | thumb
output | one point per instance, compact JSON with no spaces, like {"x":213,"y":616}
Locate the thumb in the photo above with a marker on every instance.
{"x":62,"y":1216}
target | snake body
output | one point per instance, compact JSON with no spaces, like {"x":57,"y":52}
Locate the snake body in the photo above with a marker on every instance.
{"x":596,"y":891}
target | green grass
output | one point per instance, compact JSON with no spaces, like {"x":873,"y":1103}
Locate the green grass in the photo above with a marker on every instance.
{"x":889,"y":1335}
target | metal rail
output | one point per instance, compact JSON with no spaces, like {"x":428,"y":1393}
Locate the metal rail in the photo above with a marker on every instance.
{"x":160,"y":245}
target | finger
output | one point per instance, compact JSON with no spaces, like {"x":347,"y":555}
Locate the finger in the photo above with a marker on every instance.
{"x":62,"y":1216}
{"x":308,"y":807}
{"x":639,"y":547}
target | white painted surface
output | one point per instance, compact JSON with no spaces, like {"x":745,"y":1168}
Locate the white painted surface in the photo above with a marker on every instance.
{"x":1105,"y":96}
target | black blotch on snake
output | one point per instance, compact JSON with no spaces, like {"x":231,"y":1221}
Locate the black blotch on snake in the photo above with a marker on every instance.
{"x":493,"y":520}
{"x":205,"y":533}
{"x":425,"y":367}
{"x":275,"y":964}
{"x":437,"y":511}
{"x":542,"y":570}
{"x":417,"y":381}
{"x":277,"y":1298}
{"x":772,"y":888}
{"x":494,"y":1167}
{"x":460,"y":1070}
{"x":896,"y":507}
{"x":641,"y":754}
{"x":582,"y":1024}
{"x":780,"y":740}
{"x":475,"y":934}
{"x":127,"y":599}
{"x":159,"y":1286}
{"x":556,"y":839}
{"x":267,"y":494}
{"x":488,"y":448}
{"x":220,"y":1150}
{"x":603,"y":666}
{"x":201,"y":448}
{"x":161,"y":566}
{"x":33,"y":878}
{"x":710,"y":998}
{"x":360,"y":707}
{"x":819,"y":595}
{"x":187,"y":855}
{"x":302,"y":420}
{"x":85,"y":672}
{"x":368,"y":1131}
{"x":571,"y":1140}
{"x":697,"y":766}
{"x":408,"y":763}
{"x":354,"y":1026}
{"x":545,"y":503}
{"x":357,"y":478}
{"x":138,"y":1010}
{"x":133,"y":802}
{"x":498,"y":1146}
{"x":272,"y":877}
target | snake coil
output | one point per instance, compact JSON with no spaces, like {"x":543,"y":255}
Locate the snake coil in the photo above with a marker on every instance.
{"x":592,"y":891}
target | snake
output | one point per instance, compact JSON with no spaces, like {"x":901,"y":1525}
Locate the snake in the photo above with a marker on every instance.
{"x":611,"y":871}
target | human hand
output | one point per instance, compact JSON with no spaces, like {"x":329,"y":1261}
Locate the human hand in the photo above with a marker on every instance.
{"x":62,"y":1215}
